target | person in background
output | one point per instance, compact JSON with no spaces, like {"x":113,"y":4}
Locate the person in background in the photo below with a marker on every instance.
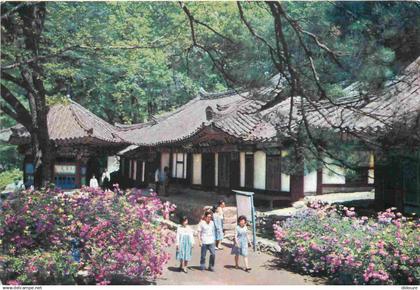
{"x":184,"y":243}
{"x":164,"y":181}
{"x":157,"y":174}
{"x":240,"y":247}
{"x":220,"y":208}
{"x":217,"y":219}
{"x":93,"y":182}
{"x":105,"y":179}
{"x":206,"y":240}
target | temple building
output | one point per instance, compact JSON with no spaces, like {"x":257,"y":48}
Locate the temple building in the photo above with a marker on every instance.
{"x":231,"y":140}
{"x":83,"y":145}
{"x":398,"y":168}
{"x":389,"y":122}
{"x":226,"y":141}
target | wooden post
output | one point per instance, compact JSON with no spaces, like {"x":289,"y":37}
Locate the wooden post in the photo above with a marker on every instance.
{"x":297,"y":180}
{"x":319,"y":181}
{"x":297,"y":186}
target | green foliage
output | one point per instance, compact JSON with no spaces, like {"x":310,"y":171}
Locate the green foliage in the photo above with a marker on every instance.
{"x":9,"y":157}
{"x":126,"y":61}
{"x":57,"y":99}
{"x":10,"y":176}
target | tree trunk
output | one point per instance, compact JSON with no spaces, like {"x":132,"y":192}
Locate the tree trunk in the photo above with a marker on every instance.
{"x":36,"y":124}
{"x":42,"y":153}
{"x":297,"y":179}
{"x":33,"y":19}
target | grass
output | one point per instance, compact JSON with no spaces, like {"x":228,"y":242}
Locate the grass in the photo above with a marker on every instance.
{"x":9,"y":176}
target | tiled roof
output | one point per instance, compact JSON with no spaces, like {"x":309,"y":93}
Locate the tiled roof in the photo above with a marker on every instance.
{"x":240,"y":115}
{"x":72,"y":123}
{"x":398,"y":101}
{"x":235,"y":113}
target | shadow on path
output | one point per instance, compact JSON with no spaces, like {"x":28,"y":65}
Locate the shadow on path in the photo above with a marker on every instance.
{"x":277,"y":264}
{"x":265,"y":271}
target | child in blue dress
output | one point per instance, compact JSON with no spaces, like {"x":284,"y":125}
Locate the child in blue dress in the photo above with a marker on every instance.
{"x":184,"y":243}
{"x":218,"y":224}
{"x":240,"y":247}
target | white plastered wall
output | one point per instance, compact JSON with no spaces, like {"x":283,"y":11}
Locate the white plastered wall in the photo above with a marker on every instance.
{"x":371,"y":171}
{"x":259,"y":169}
{"x":333,"y":174}
{"x":216,"y":169}
{"x":196,"y":169}
{"x":285,"y":178}
{"x":164,"y":160}
{"x":310,"y":182}
{"x":242,"y":168}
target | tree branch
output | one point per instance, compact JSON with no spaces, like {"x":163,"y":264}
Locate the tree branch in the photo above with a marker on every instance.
{"x":23,"y":114}
{"x":12,"y":79}
{"x":219,"y":65}
{"x":14,"y":10}
{"x":9,"y":112}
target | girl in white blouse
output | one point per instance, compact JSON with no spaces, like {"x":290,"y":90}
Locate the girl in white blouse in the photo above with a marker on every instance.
{"x":184,"y":243}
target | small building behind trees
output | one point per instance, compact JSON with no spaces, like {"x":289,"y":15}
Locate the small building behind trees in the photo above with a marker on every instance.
{"x":81,"y":142}
{"x":398,"y":162}
{"x":389,"y":124}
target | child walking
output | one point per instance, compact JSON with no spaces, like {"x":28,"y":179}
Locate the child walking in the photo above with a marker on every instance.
{"x":218,"y":224}
{"x":241,"y":243}
{"x":220,"y":206}
{"x":184,"y":243}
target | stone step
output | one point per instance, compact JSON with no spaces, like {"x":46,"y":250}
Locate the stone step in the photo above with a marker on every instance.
{"x":229,"y":227}
{"x":229,"y":221}
{"x":228,"y":238}
{"x":229,"y":216}
{"x":229,"y":211}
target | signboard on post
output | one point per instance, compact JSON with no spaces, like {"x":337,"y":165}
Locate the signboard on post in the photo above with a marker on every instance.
{"x":245,"y":207}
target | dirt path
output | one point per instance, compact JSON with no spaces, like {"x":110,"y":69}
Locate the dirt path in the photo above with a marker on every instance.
{"x":264,"y":271}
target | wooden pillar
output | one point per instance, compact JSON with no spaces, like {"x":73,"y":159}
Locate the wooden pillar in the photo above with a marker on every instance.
{"x":207,"y":170}
{"x":297,"y":179}
{"x":82,"y":178}
{"x":53,"y":160}
{"x":234,"y":170}
{"x":139,"y":172}
{"x":379,"y":187}
{"x":25,"y":175}
{"x":319,"y":181}
{"x":249,"y":171}
{"x":297,"y":186}
{"x":189,"y":168}
{"x":171,"y":160}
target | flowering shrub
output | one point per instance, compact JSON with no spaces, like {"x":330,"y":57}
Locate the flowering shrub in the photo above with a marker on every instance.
{"x":48,"y":236}
{"x":333,"y":241}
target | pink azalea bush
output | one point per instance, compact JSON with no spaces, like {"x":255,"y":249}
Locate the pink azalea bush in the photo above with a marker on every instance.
{"x":333,"y":242}
{"x":119,"y":237}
